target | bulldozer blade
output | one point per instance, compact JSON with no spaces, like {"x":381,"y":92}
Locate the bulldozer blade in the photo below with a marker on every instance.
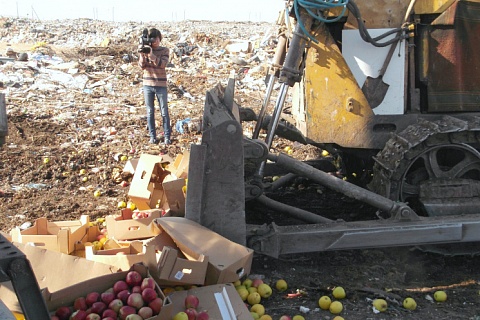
{"x":375,"y":90}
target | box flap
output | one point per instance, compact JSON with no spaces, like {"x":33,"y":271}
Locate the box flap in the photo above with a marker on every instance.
{"x":228,"y":261}
{"x":175,"y":196}
{"x":221,"y":300}
{"x":57,"y":275}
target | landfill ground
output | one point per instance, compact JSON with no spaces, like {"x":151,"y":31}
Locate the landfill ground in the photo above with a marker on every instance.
{"x":57,"y":128}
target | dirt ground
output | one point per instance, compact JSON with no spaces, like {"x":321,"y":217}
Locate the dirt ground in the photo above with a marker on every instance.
{"x":31,"y":188}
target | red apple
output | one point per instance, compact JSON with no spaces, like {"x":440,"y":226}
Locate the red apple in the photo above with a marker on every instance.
{"x":91,"y":298}
{"x":80,"y":304}
{"x":148,"y":294}
{"x":203,"y":315}
{"x":120,"y":285}
{"x":191,"y":313}
{"x":123,"y":295}
{"x":156,"y":305}
{"x":93,"y":316}
{"x":191,"y":301}
{"x":98,"y":307}
{"x":79,"y":315}
{"x":109,"y":318}
{"x":137,"y":289}
{"x":109,"y":313}
{"x":256,"y":282}
{"x":133,"y":278}
{"x":107,"y":297}
{"x":63,"y":313}
{"x":54,"y":318}
{"x":115,"y":305}
{"x":125,"y":311}
{"x":145,"y":312}
{"x":285,"y":318}
{"x":135,"y":300}
{"x":147,"y":283}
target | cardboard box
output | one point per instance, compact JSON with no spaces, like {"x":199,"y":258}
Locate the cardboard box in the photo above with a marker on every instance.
{"x":123,"y":227}
{"x":66,"y":296}
{"x":54,"y":270}
{"x":227,"y":261}
{"x":123,"y":257}
{"x":167,"y":264}
{"x":146,"y":188}
{"x":60,"y":236}
{"x":155,"y":186}
{"x":221,"y":301}
{"x":177,"y":266}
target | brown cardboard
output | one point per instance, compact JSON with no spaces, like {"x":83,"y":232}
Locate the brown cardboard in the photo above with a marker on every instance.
{"x":123,"y":257}
{"x":54,"y":270}
{"x":123,"y":227}
{"x":146,"y":190}
{"x":66,"y":296}
{"x":221,"y":301}
{"x":228,"y":261}
{"x":60,"y":236}
{"x":174,"y":267}
{"x":175,"y":196}
{"x":179,"y":168}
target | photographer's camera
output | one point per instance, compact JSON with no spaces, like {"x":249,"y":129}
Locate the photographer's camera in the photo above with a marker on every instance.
{"x":145,"y":42}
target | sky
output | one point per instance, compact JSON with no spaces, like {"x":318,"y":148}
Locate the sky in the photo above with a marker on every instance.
{"x":144,"y":10}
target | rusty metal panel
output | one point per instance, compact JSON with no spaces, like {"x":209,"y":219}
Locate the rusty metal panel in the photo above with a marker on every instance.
{"x":454,"y":62}
{"x":380,"y":13}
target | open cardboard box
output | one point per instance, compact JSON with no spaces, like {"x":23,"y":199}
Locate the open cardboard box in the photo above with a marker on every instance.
{"x":122,"y":257}
{"x":221,"y":301}
{"x":154,"y":186}
{"x":167,"y":264}
{"x":227,"y":261}
{"x":54,"y":270}
{"x":123,"y":227}
{"x":146,"y":188}
{"x":66,"y":296}
{"x":60,"y":236}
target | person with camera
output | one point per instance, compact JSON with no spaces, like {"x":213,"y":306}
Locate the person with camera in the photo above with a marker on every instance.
{"x":153,"y":60}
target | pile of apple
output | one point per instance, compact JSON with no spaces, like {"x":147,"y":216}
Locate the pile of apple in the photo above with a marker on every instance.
{"x":191,"y":310}
{"x":134,"y":298}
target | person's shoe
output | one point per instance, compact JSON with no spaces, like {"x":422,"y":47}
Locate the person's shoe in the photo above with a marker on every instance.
{"x":167,"y":141}
{"x":153,"y":141}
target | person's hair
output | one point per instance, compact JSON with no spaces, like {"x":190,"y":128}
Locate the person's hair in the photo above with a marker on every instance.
{"x":154,"y":32}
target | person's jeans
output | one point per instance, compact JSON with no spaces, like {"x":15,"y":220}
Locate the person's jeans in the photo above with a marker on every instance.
{"x":149,"y":93}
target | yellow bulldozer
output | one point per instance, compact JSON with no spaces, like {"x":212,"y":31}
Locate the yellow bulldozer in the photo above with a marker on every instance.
{"x":391,"y":86}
